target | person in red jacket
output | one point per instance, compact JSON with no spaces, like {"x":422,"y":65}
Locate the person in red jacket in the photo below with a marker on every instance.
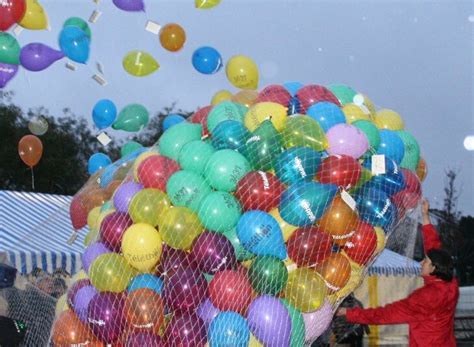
{"x":429,"y":310}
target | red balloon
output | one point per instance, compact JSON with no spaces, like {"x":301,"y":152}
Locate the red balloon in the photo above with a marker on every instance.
{"x":341,"y":170}
{"x":155,"y":171}
{"x":275,"y":93}
{"x":78,"y":212}
{"x":259,"y":190}
{"x":408,"y":197}
{"x":213,"y":252}
{"x":312,"y":94}
{"x":11,"y":12}
{"x":112,"y":229}
{"x":230,"y":291}
{"x":309,"y":246}
{"x":361,"y":246}
{"x":200,"y":117}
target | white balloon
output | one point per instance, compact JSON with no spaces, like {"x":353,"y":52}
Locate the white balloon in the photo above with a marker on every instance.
{"x":469,"y":143}
{"x":38,"y":125}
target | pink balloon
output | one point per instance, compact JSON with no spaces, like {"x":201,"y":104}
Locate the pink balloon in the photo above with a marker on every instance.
{"x":316,"y":322}
{"x":346,"y":139}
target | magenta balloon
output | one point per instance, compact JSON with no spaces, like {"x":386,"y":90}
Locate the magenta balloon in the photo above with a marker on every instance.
{"x":112,"y":229}
{"x":142,"y":339}
{"x":185,"y":290}
{"x":346,"y":139}
{"x":207,"y":311}
{"x":124,"y":194}
{"x":173,"y":259}
{"x":7,"y":72}
{"x":71,"y":293}
{"x":269,"y":321}
{"x":213,"y":252}
{"x":185,"y":330}
{"x":105,"y":316}
{"x":316,"y":323}
{"x":37,"y":56}
{"x":81,"y":301}
{"x":91,"y":253}
{"x":130,"y":5}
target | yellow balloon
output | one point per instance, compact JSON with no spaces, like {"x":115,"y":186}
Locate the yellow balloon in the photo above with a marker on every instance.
{"x":61,"y":305}
{"x":35,"y":17}
{"x":221,"y":95}
{"x":79,"y":276}
{"x":139,"y":63}
{"x":262,"y":111}
{"x":354,"y":113}
{"x":245,"y":97}
{"x":141,"y":246}
{"x":388,"y":119}
{"x":93,"y":217}
{"x":304,"y":131}
{"x":179,"y":227}
{"x":242,"y":72}
{"x":110,"y":272}
{"x":287,"y":229}
{"x":206,"y":4}
{"x":91,"y":237}
{"x":369,"y":104}
{"x":305,"y":289}
{"x":380,"y":239}
{"x":139,"y":160}
{"x":253,"y":342}
{"x":148,"y":206}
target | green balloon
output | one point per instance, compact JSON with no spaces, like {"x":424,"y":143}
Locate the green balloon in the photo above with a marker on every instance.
{"x":226,"y":110}
{"x":297,"y":338}
{"x":268,"y":275}
{"x":412,"y":151}
{"x":194,"y":156}
{"x":219,"y":211}
{"x":208,"y":277}
{"x":9,"y":49}
{"x":80,"y":23}
{"x":343,"y":93}
{"x":304,"y":131}
{"x":177,"y":136}
{"x":129,"y":147}
{"x":188,"y":189}
{"x":225,"y":168}
{"x":263,"y":146}
{"x":132,"y":118}
{"x":371,"y":133}
{"x":240,"y":252}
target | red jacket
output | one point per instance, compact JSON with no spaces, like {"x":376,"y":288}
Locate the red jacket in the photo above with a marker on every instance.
{"x":428,"y":311}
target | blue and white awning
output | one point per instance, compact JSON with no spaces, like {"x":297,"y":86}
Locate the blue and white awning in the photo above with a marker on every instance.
{"x":34,"y":230}
{"x":390,"y":263}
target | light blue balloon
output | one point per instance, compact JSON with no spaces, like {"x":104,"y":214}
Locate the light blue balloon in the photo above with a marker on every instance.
{"x":107,"y":206}
{"x":375,"y":207}
{"x":172,"y":119}
{"x":261,"y":234}
{"x":207,"y":60}
{"x":293,"y":87}
{"x":75,"y":44}
{"x":297,"y":164}
{"x":391,"y":145}
{"x":230,"y":134}
{"x":146,"y":281}
{"x":97,"y":162}
{"x":303,"y":203}
{"x":104,"y":113}
{"x":229,"y":329}
{"x":326,"y":114}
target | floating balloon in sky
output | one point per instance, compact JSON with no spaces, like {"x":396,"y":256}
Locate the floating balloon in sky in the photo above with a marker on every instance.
{"x":7,"y":72}
{"x":242,"y":72}
{"x":80,"y":23}
{"x":35,"y":17}
{"x":207,"y":60}
{"x":172,"y":37}
{"x":75,"y":44}
{"x":139,"y":63}
{"x":37,"y":56}
{"x":30,"y":149}
{"x":206,"y":4}
{"x":130,"y":5}
{"x":11,"y":12}
{"x":9,"y":49}
{"x":104,"y":113}
{"x":132,"y":118}
{"x":38,"y":125}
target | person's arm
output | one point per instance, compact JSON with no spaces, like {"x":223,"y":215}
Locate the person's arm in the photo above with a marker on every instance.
{"x":431,"y":238}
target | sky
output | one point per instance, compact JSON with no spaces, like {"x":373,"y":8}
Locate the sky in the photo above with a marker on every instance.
{"x":415,"y":57}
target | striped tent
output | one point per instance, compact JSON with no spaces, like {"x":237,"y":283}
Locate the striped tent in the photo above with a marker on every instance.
{"x":389,"y":263}
{"x":34,"y":230}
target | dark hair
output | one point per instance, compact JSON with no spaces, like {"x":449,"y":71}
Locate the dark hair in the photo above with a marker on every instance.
{"x":443,"y":263}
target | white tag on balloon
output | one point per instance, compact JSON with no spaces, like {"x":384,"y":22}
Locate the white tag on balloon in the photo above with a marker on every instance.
{"x":378,"y":164}
{"x":152,"y":27}
{"x":96,"y":1}
{"x":71,"y":66}
{"x":94,"y":16}
{"x":348,"y":199}
{"x":104,"y":139}
{"x":17,"y":30}
{"x":99,"y":79}
{"x":100,"y":67}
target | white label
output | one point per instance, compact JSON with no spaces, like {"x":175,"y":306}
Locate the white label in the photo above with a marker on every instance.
{"x":17,"y":30}
{"x":152,"y":27}
{"x":104,"y":139}
{"x":291,"y":267}
{"x":71,"y":66}
{"x":96,"y":1}
{"x":94,"y":16}
{"x":99,"y":79}
{"x":378,"y":164}
{"x":100,"y":67}
{"x":348,"y":199}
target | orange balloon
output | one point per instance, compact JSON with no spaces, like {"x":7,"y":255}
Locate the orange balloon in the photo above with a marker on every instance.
{"x":245,"y":97}
{"x":422,"y":169}
{"x":69,"y":330}
{"x":144,"y":310}
{"x":339,"y":221}
{"x":94,"y":198}
{"x":336,"y":271}
{"x":110,"y":190}
{"x":30,"y":149}
{"x":172,"y":37}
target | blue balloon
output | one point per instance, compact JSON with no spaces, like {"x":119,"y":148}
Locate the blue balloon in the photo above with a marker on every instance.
{"x":207,"y":60}
{"x":297,"y":164}
{"x":146,"y":281}
{"x":376,"y":208}
{"x":133,"y":155}
{"x":260,"y":234}
{"x":75,"y":44}
{"x":229,"y":329}
{"x":230,"y":134}
{"x":97,"y":162}
{"x":391,"y":182}
{"x":104,"y":113}
{"x":107,"y":176}
{"x":293,"y":87}
{"x":303,"y":203}
{"x":391,"y":145}
{"x":326,"y":114}
{"x":294,"y":106}
{"x":172,"y":119}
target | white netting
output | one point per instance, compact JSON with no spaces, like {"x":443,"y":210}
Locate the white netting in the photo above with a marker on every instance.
{"x":248,"y":224}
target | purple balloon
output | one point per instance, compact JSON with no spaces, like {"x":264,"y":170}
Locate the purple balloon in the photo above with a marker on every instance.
{"x":185,"y":330}
{"x":81,"y":301}
{"x":185,"y":290}
{"x":130,"y":5}
{"x":124,"y":194}
{"x":173,"y":259}
{"x":112,"y":229}
{"x":317,"y":322}
{"x":91,"y":253}
{"x":37,"y":57}
{"x":105,"y":316}
{"x":213,"y":252}
{"x":347,"y":139}
{"x":207,"y":311}
{"x":7,"y":72}
{"x":269,"y":321}
{"x":141,"y":339}
{"x":71,"y":293}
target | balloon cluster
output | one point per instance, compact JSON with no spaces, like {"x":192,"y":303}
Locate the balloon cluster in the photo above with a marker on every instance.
{"x":247,"y":224}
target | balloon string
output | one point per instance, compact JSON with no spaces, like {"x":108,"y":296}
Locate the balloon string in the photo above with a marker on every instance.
{"x":32,"y":178}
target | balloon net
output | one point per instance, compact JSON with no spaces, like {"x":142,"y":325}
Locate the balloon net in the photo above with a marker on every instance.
{"x":245,"y":225}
